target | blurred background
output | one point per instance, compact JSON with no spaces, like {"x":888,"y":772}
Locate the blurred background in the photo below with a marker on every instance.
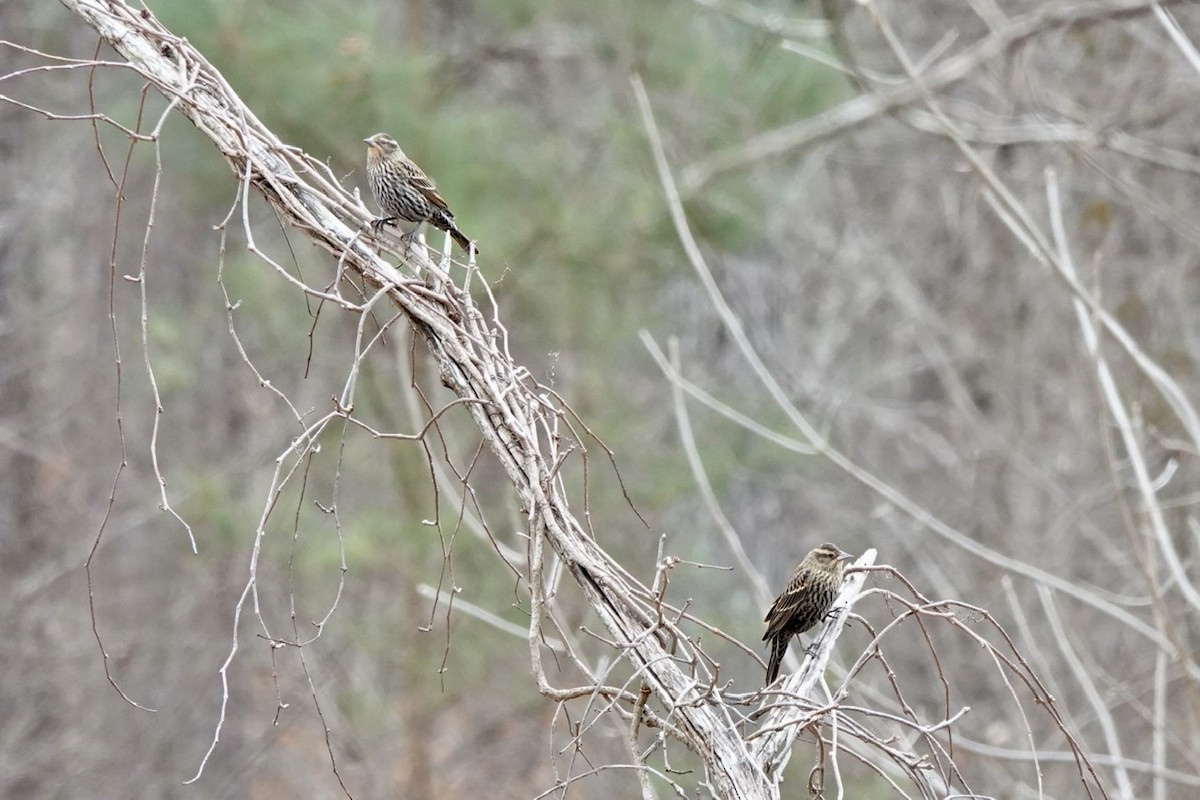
{"x":880,"y":288}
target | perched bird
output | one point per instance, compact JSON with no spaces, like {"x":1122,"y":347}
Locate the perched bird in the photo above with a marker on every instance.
{"x":809,"y":594}
{"x":404,"y":192}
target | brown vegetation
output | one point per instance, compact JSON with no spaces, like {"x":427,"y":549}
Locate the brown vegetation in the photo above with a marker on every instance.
{"x":916,"y":278}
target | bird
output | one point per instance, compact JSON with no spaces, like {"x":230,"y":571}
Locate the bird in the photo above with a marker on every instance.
{"x":805,"y":601}
{"x":404,"y":192}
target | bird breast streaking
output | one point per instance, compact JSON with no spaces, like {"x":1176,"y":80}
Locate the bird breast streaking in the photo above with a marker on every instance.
{"x":404,"y":192}
{"x":805,"y":601}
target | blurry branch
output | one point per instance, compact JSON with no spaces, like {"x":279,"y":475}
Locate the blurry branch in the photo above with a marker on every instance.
{"x":1178,"y":37}
{"x":1083,"y":676}
{"x":1167,"y":628}
{"x":865,"y":108}
{"x":896,"y":760}
{"x":708,"y":400}
{"x":1158,"y":746}
{"x":484,"y":616}
{"x":812,"y":439}
{"x":1116,"y":407}
{"x":1160,"y":773}
{"x":1020,"y":222}
{"x":772,"y":22}
{"x":525,"y":425}
{"x":762,"y":595}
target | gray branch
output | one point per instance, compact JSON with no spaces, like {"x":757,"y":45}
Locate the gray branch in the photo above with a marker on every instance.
{"x":517,"y":418}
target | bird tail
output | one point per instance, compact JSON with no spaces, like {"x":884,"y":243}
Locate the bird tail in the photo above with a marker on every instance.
{"x":462,"y":240}
{"x":444,"y":221}
{"x":778,"y":651}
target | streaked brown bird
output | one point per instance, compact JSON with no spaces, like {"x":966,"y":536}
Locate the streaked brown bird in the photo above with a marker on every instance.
{"x":810,"y":593}
{"x":404,"y":192}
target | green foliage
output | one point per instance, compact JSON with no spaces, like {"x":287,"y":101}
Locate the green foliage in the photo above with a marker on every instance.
{"x":558,"y":188}
{"x":533,"y":136}
{"x":566,"y":192}
{"x":217,"y":515}
{"x":552,"y":175}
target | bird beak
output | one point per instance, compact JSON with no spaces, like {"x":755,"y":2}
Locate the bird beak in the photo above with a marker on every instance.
{"x":367,"y":140}
{"x":845,"y":556}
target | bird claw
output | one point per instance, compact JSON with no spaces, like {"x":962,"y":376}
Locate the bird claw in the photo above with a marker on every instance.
{"x":377,"y":224}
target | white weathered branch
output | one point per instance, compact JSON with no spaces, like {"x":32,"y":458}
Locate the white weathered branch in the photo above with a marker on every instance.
{"x":516,"y":418}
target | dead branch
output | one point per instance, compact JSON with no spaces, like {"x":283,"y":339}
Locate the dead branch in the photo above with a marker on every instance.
{"x":514,"y":414}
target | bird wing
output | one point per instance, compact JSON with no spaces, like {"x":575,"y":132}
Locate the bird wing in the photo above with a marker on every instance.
{"x":425,"y":186}
{"x":783,"y":610}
